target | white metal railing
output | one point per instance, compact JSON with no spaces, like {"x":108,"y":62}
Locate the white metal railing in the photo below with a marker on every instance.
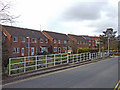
{"x":24,"y":64}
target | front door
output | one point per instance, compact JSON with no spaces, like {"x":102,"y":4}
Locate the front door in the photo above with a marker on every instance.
{"x":59,"y":50}
{"x":22,"y":51}
{"x":32,"y":51}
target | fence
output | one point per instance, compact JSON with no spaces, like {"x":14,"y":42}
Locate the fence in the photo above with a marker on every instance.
{"x":25,"y":64}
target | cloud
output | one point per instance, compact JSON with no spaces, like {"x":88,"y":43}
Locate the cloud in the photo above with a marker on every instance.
{"x":83,"y":11}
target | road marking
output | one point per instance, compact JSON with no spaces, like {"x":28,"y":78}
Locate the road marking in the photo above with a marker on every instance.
{"x":116,"y":87}
{"x":44,"y":75}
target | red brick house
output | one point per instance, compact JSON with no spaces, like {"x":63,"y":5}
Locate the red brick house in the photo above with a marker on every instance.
{"x":94,"y":41}
{"x":79,"y":41}
{"x":58,"y":41}
{"x":19,"y":39}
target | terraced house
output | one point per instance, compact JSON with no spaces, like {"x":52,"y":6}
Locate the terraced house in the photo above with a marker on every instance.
{"x":94,"y":42}
{"x":79,"y":42}
{"x":24,"y":42}
{"x":58,"y":41}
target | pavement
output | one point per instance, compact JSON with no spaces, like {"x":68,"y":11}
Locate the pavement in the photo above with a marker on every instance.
{"x":102,"y":74}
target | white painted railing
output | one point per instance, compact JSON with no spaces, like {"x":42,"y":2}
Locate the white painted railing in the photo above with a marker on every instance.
{"x":25,"y":64}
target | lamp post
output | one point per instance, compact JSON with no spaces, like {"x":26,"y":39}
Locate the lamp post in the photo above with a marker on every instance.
{"x":28,"y":46}
{"x":108,"y":45}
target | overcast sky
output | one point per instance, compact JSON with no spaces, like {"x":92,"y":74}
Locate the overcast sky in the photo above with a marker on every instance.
{"x":80,"y":17}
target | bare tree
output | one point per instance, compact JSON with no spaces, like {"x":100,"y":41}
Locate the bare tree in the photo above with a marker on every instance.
{"x":5,"y":15}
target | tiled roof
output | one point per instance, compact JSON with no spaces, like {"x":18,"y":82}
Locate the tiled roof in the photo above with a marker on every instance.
{"x":78,"y":38}
{"x":24,"y":32}
{"x":57,"y":36}
{"x":86,"y":37}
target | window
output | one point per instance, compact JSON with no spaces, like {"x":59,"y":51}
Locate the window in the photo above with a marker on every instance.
{"x":44,"y":49}
{"x":15,"y":39}
{"x":55,"y":49}
{"x":23,"y":39}
{"x":93,"y":45}
{"x":34,"y":40}
{"x":89,"y":44}
{"x":84,"y":42}
{"x":58,"y":41}
{"x":78,"y":42}
{"x":54,"y":41}
{"x":41,"y":40}
{"x":89,"y":40}
{"x":15,"y":50}
{"x":46,"y":41}
{"x":65,"y":41}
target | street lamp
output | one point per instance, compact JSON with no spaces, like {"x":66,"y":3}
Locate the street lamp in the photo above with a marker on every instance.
{"x":28,"y":45}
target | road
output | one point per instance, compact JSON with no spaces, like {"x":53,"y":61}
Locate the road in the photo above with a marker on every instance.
{"x":102,"y":74}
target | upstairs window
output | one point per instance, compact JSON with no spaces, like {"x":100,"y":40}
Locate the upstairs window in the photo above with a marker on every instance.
{"x":41,"y":40}
{"x":46,"y":41}
{"x":58,"y":41}
{"x":54,"y":41}
{"x":89,"y":44}
{"x":34,"y":40}
{"x":15,"y":39}
{"x":65,"y":41}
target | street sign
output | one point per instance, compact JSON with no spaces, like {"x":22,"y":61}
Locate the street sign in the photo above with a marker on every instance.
{"x":69,"y":51}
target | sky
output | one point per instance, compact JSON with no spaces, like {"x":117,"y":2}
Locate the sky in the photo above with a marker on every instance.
{"x":80,"y":17}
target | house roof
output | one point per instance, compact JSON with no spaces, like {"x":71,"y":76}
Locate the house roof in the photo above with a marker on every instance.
{"x":78,"y":37}
{"x":24,"y":32}
{"x":94,"y":37}
{"x":86,"y":37}
{"x":57,"y":36}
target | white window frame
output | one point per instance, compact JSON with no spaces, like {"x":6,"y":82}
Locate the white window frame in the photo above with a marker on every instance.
{"x":89,"y":44}
{"x":55,"y":49}
{"x":16,"y":50}
{"x":54,"y":41}
{"x":65,"y":41}
{"x":46,"y":40}
{"x":15,"y":39}
{"x":41,"y":40}
{"x":32,"y":48}
{"x":35,"y":40}
{"x":58,"y":41}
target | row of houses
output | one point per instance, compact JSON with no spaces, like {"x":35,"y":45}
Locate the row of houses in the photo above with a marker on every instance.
{"x":24,"y":42}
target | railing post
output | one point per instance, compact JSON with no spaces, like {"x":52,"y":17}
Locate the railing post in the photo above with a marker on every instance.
{"x":67,"y":58}
{"x":73,"y":58}
{"x":24,"y":64}
{"x":61,"y":58}
{"x":46,"y":60}
{"x":9,"y":66}
{"x":77,"y":57}
{"x":80,"y":57}
{"x":54,"y":59}
{"x":36,"y":63}
{"x":83,"y":56}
